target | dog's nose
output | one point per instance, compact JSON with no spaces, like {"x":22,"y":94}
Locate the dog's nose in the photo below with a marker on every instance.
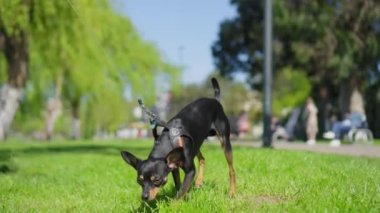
{"x":145,"y":196}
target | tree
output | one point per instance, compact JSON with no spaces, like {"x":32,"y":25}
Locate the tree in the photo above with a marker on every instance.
{"x":74,"y":63}
{"x":332,"y":41}
{"x":14,"y":46}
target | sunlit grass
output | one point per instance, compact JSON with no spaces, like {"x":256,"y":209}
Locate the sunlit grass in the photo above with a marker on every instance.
{"x":92,"y":177}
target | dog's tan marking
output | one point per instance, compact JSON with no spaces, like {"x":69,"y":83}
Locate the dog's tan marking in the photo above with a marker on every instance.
{"x":201,"y":160}
{"x":232,"y":174}
{"x":153,"y":193}
{"x":229,"y":158}
{"x":180,"y":142}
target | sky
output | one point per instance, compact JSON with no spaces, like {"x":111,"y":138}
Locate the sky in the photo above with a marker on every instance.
{"x":183,"y":31}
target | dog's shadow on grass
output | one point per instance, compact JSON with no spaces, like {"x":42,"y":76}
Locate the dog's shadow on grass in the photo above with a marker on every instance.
{"x":165,"y":196}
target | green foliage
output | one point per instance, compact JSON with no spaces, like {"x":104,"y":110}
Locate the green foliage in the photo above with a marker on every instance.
{"x":3,"y":68}
{"x":96,"y":52}
{"x":13,"y":16}
{"x":50,"y":179}
{"x":290,"y":89}
{"x":32,"y":124}
{"x":329,"y":40}
{"x":62,"y":125}
{"x":335,"y":42}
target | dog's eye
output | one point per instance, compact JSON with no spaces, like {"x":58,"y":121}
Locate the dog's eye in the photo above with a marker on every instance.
{"x":155,"y":180}
{"x":140,"y":179}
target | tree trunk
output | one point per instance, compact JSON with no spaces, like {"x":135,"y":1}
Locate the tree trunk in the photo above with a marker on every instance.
{"x":9,"y":102}
{"x":75,"y":123}
{"x":53,"y":109}
{"x":324,"y":109}
{"x":16,"y":53}
{"x":347,"y":87}
{"x":373,"y":109}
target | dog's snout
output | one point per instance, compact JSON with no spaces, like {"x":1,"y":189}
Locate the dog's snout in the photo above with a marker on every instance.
{"x":145,"y":196}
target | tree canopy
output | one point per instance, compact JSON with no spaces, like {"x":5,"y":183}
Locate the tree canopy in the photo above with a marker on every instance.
{"x":335,"y":43}
{"x":85,"y":54}
{"x":327,"y":39}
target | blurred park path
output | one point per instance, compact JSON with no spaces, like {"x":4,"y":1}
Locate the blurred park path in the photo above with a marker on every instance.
{"x":345,"y":149}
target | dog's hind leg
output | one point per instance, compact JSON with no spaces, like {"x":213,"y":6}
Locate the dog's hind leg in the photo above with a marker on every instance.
{"x":228,"y":154}
{"x":201,"y":160}
{"x":223,"y":132}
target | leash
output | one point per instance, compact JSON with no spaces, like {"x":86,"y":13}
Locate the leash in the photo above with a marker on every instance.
{"x":176,"y":130}
{"x":153,"y":118}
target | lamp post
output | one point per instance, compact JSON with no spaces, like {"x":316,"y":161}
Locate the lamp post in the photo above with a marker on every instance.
{"x":267,"y":84}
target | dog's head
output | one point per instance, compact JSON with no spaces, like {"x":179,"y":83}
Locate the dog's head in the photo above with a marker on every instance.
{"x":152,"y":173}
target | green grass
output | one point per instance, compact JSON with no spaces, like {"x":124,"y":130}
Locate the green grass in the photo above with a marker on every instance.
{"x":92,"y":177}
{"x":376,"y":142}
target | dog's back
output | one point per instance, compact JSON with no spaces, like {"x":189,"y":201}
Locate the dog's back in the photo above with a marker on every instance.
{"x":202,"y":108}
{"x":199,"y":115}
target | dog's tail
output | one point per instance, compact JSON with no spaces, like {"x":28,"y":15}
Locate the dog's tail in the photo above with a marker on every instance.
{"x":215,"y":85}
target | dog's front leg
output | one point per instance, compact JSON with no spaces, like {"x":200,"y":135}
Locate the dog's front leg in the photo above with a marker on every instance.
{"x":189,"y":170}
{"x":182,"y":157}
{"x":177,"y":179}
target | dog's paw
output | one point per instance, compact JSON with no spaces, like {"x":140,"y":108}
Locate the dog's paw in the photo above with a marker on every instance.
{"x":199,"y":181}
{"x":198,"y":185}
{"x":232,"y":193}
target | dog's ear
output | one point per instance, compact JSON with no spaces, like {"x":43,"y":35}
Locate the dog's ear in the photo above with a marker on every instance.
{"x":130,"y":159}
{"x":175,"y":158}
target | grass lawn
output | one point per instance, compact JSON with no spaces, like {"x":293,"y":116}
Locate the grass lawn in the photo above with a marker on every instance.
{"x":91,"y":177}
{"x":376,"y":142}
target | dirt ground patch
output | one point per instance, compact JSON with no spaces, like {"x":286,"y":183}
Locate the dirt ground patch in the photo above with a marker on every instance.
{"x":260,"y":200}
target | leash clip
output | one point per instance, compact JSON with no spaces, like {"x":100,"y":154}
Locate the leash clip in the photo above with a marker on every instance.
{"x":153,"y":123}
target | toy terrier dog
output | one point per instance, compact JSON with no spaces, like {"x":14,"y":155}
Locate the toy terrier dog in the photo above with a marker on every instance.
{"x":179,"y":143}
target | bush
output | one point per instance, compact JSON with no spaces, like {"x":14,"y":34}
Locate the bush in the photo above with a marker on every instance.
{"x":291,"y":88}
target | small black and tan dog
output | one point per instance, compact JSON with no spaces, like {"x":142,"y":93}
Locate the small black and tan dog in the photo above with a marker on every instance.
{"x":179,"y":143}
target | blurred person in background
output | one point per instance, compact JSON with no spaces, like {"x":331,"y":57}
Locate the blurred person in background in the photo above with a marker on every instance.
{"x":243,"y":124}
{"x":311,"y":121}
{"x":355,"y":119}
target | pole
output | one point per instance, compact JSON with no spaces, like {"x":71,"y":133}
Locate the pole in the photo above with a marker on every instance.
{"x":267,"y":86}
